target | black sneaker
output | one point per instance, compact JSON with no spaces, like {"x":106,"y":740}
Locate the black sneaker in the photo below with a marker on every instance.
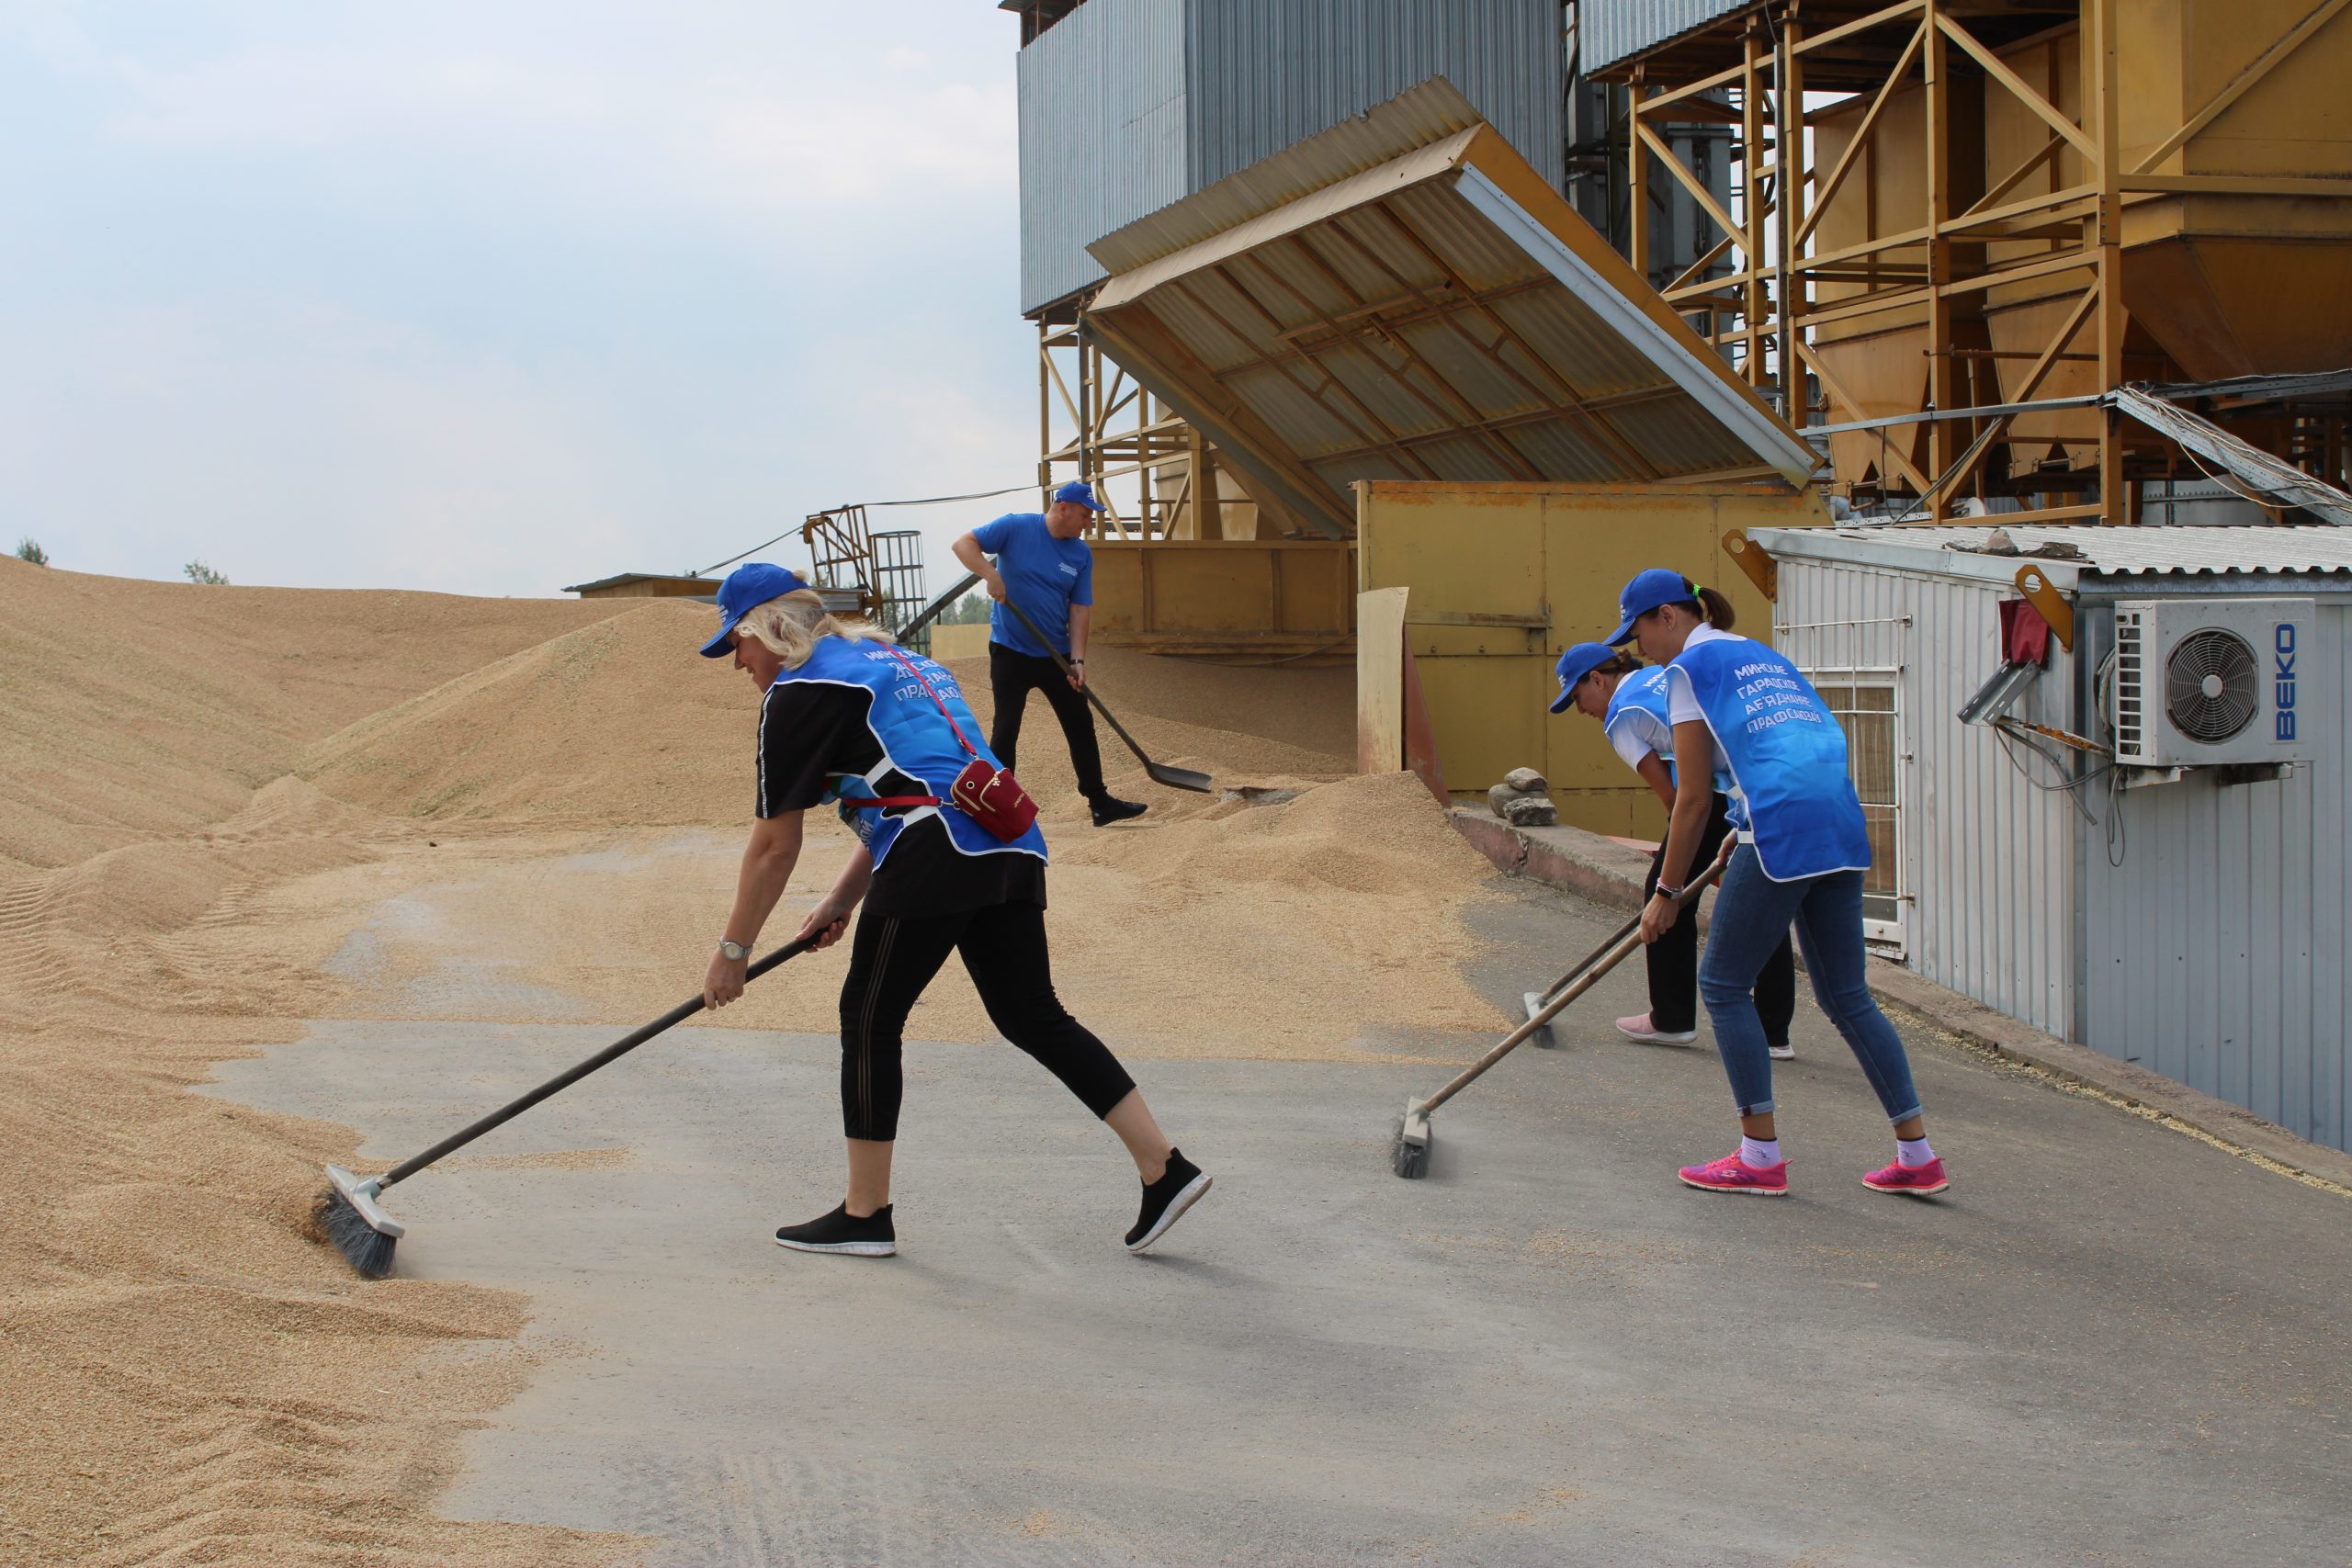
{"x":1110,"y":810}
{"x":844,"y":1233}
{"x":1165,"y":1200}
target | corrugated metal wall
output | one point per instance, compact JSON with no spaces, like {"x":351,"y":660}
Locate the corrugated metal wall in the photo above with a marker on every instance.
{"x":2216,"y":954}
{"x":1129,"y":104}
{"x":1103,"y":135}
{"x":1609,"y":30}
{"x":1989,"y":861}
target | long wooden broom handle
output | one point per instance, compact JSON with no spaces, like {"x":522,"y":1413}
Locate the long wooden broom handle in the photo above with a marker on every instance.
{"x":570,"y":1076}
{"x":1612,"y":956}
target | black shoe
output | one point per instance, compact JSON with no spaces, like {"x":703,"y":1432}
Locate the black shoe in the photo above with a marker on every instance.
{"x":1165,"y":1200}
{"x":844,"y":1233}
{"x":1110,"y":810}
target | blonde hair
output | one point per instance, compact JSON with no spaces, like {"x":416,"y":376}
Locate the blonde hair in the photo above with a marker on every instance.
{"x":790,"y":624}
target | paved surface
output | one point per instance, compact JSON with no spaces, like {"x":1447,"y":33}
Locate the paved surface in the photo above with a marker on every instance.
{"x":2109,"y":1344}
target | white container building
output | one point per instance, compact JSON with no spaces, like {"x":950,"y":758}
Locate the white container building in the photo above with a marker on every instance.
{"x":2185,"y":908}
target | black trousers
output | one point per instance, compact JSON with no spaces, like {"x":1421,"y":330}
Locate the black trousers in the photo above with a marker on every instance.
{"x":1674,"y":957}
{"x":1012,"y":677}
{"x":891,"y":959}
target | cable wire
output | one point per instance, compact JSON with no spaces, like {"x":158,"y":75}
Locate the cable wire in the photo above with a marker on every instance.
{"x":869,"y":505}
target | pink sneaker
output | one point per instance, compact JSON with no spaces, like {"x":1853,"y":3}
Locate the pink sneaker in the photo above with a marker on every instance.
{"x":1733,"y":1173}
{"x":1639,"y":1028}
{"x":1921,"y":1182}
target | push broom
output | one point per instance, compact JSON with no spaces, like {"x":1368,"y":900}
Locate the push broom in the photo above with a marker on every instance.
{"x":1410,"y":1154}
{"x":348,"y":1211}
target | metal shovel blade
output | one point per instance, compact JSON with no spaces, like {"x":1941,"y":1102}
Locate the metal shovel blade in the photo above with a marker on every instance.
{"x":1179,"y":778}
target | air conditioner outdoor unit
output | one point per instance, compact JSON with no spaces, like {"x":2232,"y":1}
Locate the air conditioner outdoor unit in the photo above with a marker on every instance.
{"x":2200,"y":682}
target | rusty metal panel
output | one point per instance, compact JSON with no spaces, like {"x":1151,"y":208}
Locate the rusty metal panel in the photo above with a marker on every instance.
{"x":1505,"y":575}
{"x":1286,"y":598}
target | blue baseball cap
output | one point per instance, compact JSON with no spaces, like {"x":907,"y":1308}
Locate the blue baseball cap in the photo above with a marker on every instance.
{"x":747,"y":587}
{"x":1081,"y":492}
{"x":1575,"y":664}
{"x":1645,"y":592}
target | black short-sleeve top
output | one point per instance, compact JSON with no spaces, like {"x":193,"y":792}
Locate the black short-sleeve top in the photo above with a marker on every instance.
{"x":809,"y":733}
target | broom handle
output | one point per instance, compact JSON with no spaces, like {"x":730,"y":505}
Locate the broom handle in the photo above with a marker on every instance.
{"x":1589,"y":959}
{"x":1088,"y":690}
{"x":570,"y":1076}
{"x":1610,"y":957}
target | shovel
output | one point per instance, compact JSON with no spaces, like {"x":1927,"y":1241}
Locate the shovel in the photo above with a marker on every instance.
{"x":1175,"y":778}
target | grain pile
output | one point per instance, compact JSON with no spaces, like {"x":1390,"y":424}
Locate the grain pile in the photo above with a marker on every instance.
{"x":174,"y":1354}
{"x":319,"y":805}
{"x":130,"y":709}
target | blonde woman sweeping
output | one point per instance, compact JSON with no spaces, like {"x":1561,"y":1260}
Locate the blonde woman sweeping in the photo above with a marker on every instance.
{"x":949,"y":859}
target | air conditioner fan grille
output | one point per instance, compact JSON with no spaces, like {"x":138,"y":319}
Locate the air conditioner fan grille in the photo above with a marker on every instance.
{"x":2213,"y":686}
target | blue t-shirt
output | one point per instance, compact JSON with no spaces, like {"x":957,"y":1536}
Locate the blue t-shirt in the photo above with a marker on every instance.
{"x":1044,"y":575}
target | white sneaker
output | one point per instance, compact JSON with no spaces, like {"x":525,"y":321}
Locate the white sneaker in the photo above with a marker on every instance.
{"x":1637,"y":1028}
{"x":1782,"y":1053}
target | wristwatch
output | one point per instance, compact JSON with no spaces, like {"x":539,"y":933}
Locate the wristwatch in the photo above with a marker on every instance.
{"x":1663,"y":891}
{"x":733,"y":951}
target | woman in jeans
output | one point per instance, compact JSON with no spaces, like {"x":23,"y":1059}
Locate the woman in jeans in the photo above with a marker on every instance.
{"x":1802,"y":852}
{"x":1630,"y":701}
{"x":847,"y":717}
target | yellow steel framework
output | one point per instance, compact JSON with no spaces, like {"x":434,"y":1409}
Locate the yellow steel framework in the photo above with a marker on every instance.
{"x":2055,"y":217}
{"x":1095,"y":422}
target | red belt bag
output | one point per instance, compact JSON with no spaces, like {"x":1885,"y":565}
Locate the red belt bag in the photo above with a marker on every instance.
{"x":989,"y":795}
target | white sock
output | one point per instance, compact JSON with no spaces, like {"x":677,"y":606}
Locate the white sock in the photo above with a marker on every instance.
{"x":1913,"y":1153}
{"x":1760,"y":1154}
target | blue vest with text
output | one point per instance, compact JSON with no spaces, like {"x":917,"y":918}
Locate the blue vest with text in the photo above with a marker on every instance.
{"x":916,"y":741}
{"x":1644,"y":692}
{"x":1787,"y":758}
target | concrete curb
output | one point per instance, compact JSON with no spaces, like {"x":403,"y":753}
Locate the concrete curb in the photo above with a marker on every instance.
{"x":1603,"y":871}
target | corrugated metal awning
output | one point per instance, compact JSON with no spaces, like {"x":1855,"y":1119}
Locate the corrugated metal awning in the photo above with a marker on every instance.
{"x":2260,"y":477}
{"x":1439,"y":314}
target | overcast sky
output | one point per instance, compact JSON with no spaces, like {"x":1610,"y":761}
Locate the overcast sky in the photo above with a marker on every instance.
{"x":492,"y":298}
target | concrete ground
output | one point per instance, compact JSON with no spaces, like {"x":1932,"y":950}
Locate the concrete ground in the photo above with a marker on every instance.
{"x":2109,"y":1344}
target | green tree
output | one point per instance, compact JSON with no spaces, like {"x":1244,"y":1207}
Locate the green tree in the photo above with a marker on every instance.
{"x":969,"y":611}
{"x":29,"y":549}
{"x":200,"y":572}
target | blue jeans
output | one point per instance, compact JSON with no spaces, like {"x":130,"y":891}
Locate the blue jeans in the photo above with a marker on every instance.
{"x":1753,"y":914}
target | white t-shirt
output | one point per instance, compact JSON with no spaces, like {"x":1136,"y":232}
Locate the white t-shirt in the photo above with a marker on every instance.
{"x":1636,"y":733}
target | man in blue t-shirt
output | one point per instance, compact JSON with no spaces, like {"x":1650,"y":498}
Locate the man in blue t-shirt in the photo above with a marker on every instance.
{"x":1043,"y":565}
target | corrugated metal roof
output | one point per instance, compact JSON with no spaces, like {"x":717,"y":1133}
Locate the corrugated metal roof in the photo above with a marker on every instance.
{"x":1608,"y":31}
{"x":1415,"y":118}
{"x":1443,"y":315}
{"x":2148,"y":551}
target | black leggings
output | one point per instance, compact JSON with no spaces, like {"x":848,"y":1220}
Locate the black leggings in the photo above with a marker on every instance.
{"x":1674,"y":957}
{"x":892,"y":958}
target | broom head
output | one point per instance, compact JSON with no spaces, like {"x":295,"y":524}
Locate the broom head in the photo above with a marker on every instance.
{"x":348,"y":1213}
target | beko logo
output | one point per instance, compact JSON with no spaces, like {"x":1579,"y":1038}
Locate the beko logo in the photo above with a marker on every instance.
{"x":2282,"y":646}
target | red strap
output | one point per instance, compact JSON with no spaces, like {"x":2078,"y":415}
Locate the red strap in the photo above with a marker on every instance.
{"x":882,"y":800}
{"x":968,"y":749}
